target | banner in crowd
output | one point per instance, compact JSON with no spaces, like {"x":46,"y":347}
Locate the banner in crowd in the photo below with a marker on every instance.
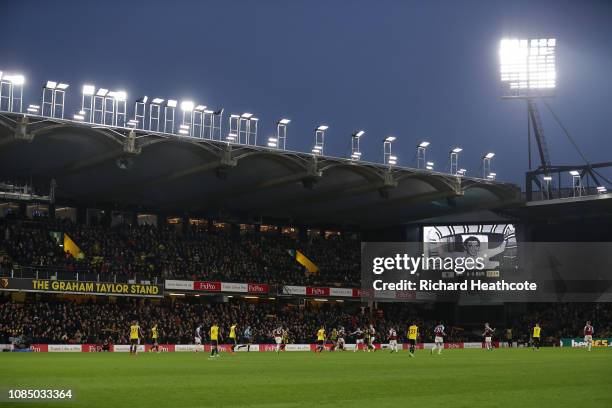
{"x":81,"y":287}
{"x":579,"y":342}
{"x":224,"y":348}
{"x":323,"y":292}
{"x":210,"y":286}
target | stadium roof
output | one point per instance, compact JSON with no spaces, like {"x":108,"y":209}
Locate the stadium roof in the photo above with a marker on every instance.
{"x":99,"y":165}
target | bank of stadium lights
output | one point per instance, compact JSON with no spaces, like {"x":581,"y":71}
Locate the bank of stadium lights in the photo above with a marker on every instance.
{"x":421,"y":152}
{"x":281,"y":133}
{"x":491,"y":176}
{"x":33,"y":109}
{"x":454,"y":160}
{"x":355,"y":145}
{"x":53,"y":99}
{"x":11,"y":92}
{"x":388,"y":157}
{"x":461,"y":172}
{"x":602,"y":190}
{"x":486,"y":164}
{"x":429,"y":165}
{"x":527,"y":66}
{"x":319,"y":140}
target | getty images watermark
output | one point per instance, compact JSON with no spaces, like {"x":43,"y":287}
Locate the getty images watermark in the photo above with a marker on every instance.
{"x":404,"y":263}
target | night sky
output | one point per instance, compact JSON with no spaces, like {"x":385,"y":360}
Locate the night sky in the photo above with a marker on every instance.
{"x":418,"y":70}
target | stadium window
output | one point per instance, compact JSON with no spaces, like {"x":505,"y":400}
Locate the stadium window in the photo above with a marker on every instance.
{"x":313,"y":233}
{"x":268,"y":229}
{"x":66,"y":213}
{"x":198,"y":221}
{"x":332,"y":234}
{"x":221,"y":226}
{"x":291,"y":231}
{"x":246,"y":228}
{"x":147,"y":219}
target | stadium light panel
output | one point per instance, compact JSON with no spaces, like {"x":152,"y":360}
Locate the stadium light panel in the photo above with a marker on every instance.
{"x":423,"y":144}
{"x":489,"y":155}
{"x":187,"y":106}
{"x":15,"y":79}
{"x":79,"y":117}
{"x":527,"y":67}
{"x":171,"y":103}
{"x":157,"y":101}
{"x":247,"y":115}
{"x":390,"y":138}
{"x":574,"y":173}
{"x":102,"y":92}
{"x":323,"y":128}
{"x":284,"y":121}
{"x":62,"y":86}
{"x":51,"y":85}
{"x":457,"y":150}
{"x":602,"y":189}
{"x":430,"y":163}
{"x":89,"y":89}
{"x":359,"y":134}
{"x":209,"y":112}
{"x":547,"y":178}
{"x":200,"y":108}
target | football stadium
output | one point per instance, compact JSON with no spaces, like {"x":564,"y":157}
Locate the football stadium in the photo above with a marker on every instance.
{"x":184,"y":222}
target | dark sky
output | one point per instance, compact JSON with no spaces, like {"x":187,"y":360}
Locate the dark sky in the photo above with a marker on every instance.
{"x":414,"y":69}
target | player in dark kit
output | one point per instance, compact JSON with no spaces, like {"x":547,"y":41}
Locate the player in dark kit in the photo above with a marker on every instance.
{"x":588,"y":334}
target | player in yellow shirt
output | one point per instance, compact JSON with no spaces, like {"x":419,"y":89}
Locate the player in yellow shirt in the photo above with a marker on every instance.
{"x":413,"y":334}
{"x":233,"y":336}
{"x":536,"y":336}
{"x":214,"y":340}
{"x":135,"y":334}
{"x":320,"y":340}
{"x":155,"y":338}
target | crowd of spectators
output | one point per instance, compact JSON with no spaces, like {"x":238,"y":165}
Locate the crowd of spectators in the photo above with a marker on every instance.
{"x":193,"y":253}
{"x":54,"y":320}
{"x":51,"y":319}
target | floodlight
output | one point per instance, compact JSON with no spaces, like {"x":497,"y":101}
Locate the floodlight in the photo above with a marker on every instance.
{"x":272,"y":139}
{"x":120,"y":95}
{"x":527,"y":67}
{"x":102,"y":92}
{"x":187,"y":106}
{"x":89,"y":89}
{"x":79,"y":117}
{"x":247,"y":115}
{"x":62,"y":86}
{"x":602,"y":189}
{"x":184,"y":126}
{"x":489,"y":155}
{"x":143,"y":99}
{"x":574,"y":173}
{"x":357,"y":154}
{"x":81,"y":112}
{"x":547,"y":178}
{"x":51,"y":85}
{"x":234,"y":116}
{"x":157,"y":101}
{"x":200,"y":108}
{"x":359,"y":134}
{"x":171,"y":103}
{"x":430,"y":163}
{"x":457,"y":150}
{"x":33,"y":108}
{"x":390,"y":138}
{"x":423,"y":144}
{"x":15,"y":79}
{"x":284,"y":121}
{"x":322,"y":128}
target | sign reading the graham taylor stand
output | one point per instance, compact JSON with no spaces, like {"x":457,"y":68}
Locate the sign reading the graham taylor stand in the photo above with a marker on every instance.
{"x":89,"y":288}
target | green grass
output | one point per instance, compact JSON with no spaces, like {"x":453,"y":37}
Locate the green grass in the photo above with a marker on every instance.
{"x":458,"y":378}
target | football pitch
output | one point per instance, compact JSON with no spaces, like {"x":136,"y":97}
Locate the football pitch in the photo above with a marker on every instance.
{"x":458,"y":378}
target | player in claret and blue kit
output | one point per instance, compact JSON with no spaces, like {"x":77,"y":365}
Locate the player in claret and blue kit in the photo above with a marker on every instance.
{"x":438,"y":338}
